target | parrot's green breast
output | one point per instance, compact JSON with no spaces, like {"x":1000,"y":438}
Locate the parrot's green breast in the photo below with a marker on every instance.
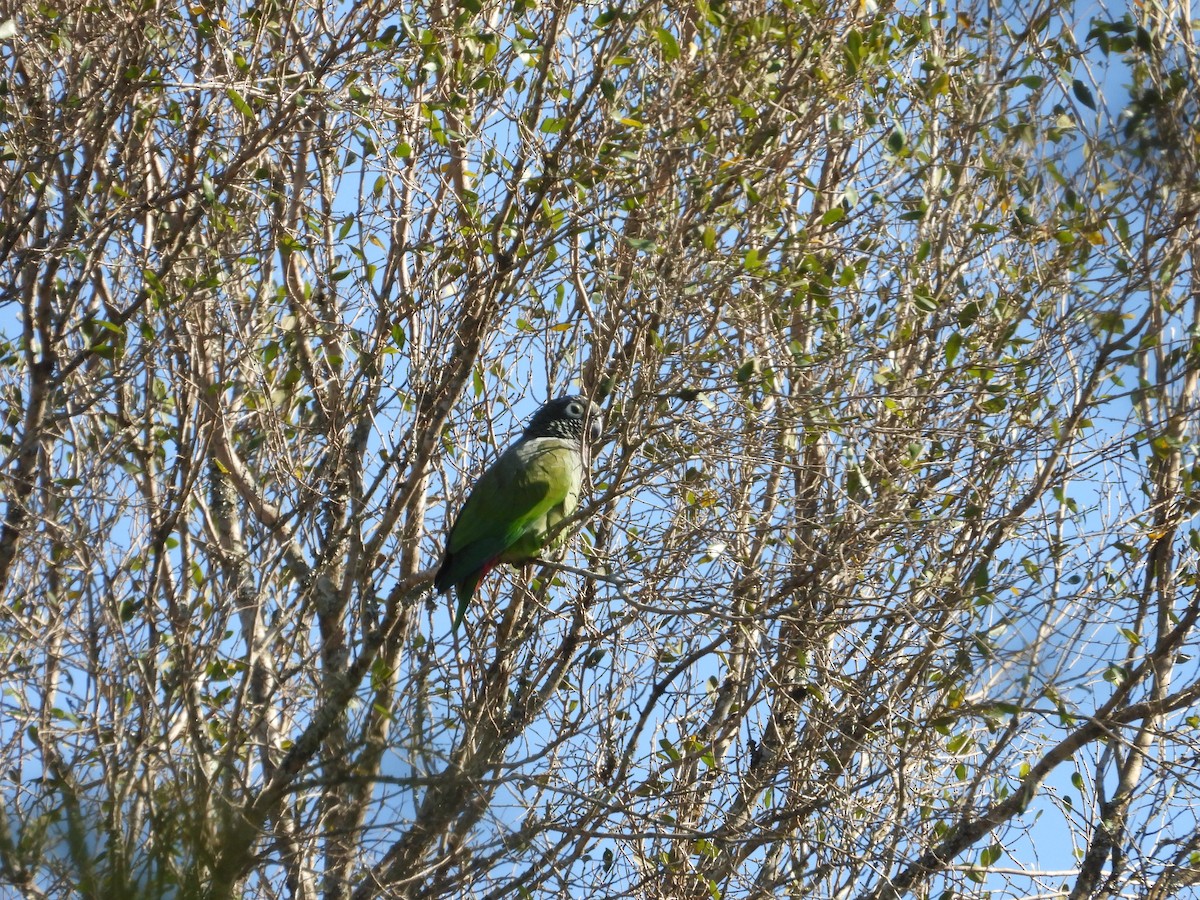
{"x":555,"y":463}
{"x":533,"y":486}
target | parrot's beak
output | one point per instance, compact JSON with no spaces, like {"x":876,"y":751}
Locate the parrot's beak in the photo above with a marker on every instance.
{"x":597,"y":423}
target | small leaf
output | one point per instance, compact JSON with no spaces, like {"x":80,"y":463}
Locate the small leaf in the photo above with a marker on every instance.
{"x":852,"y":52}
{"x":953,"y":345}
{"x":240,"y":104}
{"x":923,"y":300}
{"x":1116,"y":675}
{"x":746,"y":371}
{"x":670,"y":46}
{"x":8,"y":28}
{"x":1083,"y":94}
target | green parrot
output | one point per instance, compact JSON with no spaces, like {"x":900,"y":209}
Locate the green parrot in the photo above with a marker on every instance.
{"x":533,"y":486}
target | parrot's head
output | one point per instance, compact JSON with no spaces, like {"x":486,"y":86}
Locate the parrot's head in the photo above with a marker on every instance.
{"x":569,"y":417}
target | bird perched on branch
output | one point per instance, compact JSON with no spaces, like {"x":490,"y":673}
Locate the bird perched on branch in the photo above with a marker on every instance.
{"x":515,"y":504}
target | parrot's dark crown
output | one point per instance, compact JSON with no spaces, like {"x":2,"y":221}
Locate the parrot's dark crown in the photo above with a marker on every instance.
{"x":565,"y":417}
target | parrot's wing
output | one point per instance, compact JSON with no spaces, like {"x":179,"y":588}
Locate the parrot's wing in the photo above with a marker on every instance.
{"x":509,"y":500}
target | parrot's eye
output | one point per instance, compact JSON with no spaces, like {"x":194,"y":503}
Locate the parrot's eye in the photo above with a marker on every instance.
{"x":575,"y":410}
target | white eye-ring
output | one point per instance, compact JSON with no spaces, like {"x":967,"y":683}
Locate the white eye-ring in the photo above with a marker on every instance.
{"x":575,"y":410}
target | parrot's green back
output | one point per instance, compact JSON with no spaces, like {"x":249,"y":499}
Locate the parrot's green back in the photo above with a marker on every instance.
{"x":533,"y":486}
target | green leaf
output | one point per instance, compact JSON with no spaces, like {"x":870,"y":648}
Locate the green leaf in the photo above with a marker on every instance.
{"x":746,"y":371}
{"x":953,"y":345}
{"x":960,"y":743}
{"x":1132,"y":636}
{"x":240,"y":104}
{"x":668,"y":43}
{"x":1083,"y":94}
{"x":8,"y":28}
{"x":924,"y":300}
{"x":852,"y":51}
